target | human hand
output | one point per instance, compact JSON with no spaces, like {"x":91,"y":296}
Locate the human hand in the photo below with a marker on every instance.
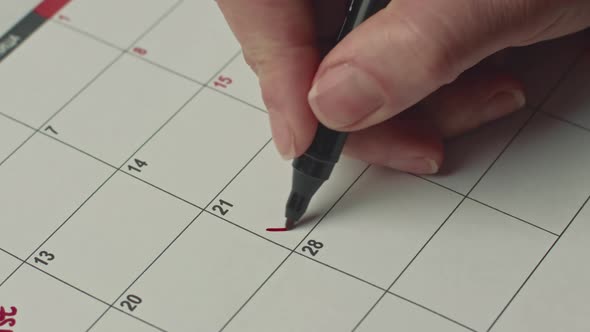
{"x":426,"y":59}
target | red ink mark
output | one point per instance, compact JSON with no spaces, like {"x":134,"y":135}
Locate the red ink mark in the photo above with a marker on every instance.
{"x":48,"y":8}
{"x":63,"y":18}
{"x":140,"y":51}
{"x":4,"y":320}
{"x":281,"y":229}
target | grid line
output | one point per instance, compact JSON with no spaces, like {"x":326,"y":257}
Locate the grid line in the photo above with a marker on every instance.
{"x":200,"y":212}
{"x":293,"y":249}
{"x":74,"y":287}
{"x":432,"y":311}
{"x":537,"y":266}
{"x":205,"y":210}
{"x":506,"y":147}
{"x":173,"y":241}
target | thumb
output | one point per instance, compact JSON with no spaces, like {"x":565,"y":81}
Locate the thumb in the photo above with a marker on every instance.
{"x":411,"y":48}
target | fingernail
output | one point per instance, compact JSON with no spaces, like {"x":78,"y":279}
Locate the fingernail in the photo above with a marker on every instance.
{"x":504,"y":103}
{"x":282,"y":135}
{"x":417,"y":165}
{"x":345,"y":95}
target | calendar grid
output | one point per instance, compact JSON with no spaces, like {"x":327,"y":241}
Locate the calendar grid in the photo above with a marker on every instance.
{"x":205,"y":209}
{"x":293,"y":250}
{"x":78,"y":289}
{"x":517,"y":134}
{"x":219,"y":217}
{"x":513,"y":216}
{"x":100,"y":73}
{"x":537,"y":266}
{"x":431,"y":311}
{"x":154,"y":63}
{"x":484,"y":204}
{"x":559,"y":118}
{"x":176,"y":238}
{"x":388,"y":290}
{"x":90,"y":35}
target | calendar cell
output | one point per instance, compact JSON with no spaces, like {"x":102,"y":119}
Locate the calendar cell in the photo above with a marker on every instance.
{"x":13,"y":134}
{"x":555,"y":298}
{"x":115,"y":320}
{"x":468,"y":157}
{"x":29,"y":76}
{"x":257,"y":205}
{"x":384,"y":215}
{"x":7,"y":265}
{"x":306,"y":296}
{"x":204,"y":147}
{"x":43,"y":303}
{"x":117,"y":22}
{"x":400,"y":315}
{"x":218,"y":264}
{"x":31,"y":209}
{"x":542,"y":66}
{"x":571,"y":100}
{"x":11,"y":11}
{"x":473,"y":266}
{"x":239,"y":81}
{"x":115,"y":231}
{"x":122,"y":109}
{"x":543,"y":176}
{"x":195,"y":30}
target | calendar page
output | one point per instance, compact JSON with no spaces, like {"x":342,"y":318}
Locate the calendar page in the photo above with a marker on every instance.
{"x":138,"y":177}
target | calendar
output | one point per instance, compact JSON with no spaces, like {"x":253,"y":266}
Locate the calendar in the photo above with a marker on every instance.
{"x":138,"y":177}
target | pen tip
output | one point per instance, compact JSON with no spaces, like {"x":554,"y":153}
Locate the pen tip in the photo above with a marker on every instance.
{"x":289,"y":224}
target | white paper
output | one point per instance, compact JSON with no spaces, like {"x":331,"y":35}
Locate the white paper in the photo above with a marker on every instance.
{"x":138,"y":177}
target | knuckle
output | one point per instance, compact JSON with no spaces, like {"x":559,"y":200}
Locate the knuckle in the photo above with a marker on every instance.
{"x":433,"y":43}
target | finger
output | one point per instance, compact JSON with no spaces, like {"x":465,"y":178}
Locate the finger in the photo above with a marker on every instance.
{"x":405,"y":145}
{"x":410,"y":49}
{"x":278,"y":41}
{"x":473,"y":100}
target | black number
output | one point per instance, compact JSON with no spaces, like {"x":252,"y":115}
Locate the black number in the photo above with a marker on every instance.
{"x":50,"y":128}
{"x":220,"y":207}
{"x":313,"y":247}
{"x":131,"y":302}
{"x":48,"y":257}
{"x":139,"y":163}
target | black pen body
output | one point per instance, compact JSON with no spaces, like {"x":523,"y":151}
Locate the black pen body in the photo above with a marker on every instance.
{"x":315,"y":166}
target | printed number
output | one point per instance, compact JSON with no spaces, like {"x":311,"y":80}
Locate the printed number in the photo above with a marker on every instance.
{"x":7,"y":321}
{"x":220,"y":207}
{"x":46,"y":257}
{"x":139,"y":163}
{"x":50,"y":128}
{"x":64,"y":18}
{"x":313,"y":247}
{"x":131,"y":302}
{"x":223,"y":82}
{"x":140,"y":51}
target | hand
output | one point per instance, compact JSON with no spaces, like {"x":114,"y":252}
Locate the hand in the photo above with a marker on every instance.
{"x":416,"y":57}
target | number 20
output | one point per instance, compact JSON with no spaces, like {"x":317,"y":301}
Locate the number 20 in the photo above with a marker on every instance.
{"x":131,"y":302}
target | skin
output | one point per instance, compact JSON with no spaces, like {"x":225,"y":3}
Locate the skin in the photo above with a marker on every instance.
{"x":411,"y":76}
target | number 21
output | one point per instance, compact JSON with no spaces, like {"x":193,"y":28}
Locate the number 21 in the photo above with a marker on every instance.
{"x":220,"y":207}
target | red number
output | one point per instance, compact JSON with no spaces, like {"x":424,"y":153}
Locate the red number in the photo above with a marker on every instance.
{"x":63,"y":18}
{"x":4,"y":314}
{"x":223,"y":82}
{"x":140,"y":51}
